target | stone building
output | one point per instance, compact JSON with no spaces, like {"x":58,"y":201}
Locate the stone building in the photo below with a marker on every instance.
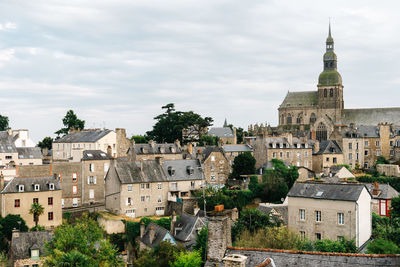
{"x":225,"y":134}
{"x":323,"y":110}
{"x":232,"y":151}
{"x":153,"y":235}
{"x":382,"y":195}
{"x":329,"y":154}
{"x":152,"y":150}
{"x":331,"y":211}
{"x":19,"y":194}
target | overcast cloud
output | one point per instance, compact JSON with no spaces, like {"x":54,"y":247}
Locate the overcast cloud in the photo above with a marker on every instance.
{"x":116,"y":62}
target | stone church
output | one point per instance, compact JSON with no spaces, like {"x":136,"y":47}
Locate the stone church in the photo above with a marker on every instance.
{"x":321,"y":111}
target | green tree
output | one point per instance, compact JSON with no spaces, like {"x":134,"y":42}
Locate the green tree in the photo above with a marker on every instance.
{"x":395,"y":209}
{"x":169,"y":125}
{"x":81,"y":244}
{"x":208,"y":140}
{"x":251,"y":220}
{"x":240,"y":134}
{"x":140,"y":139}
{"x":47,"y":142}
{"x":10,"y":222}
{"x":243,"y":164}
{"x":381,"y":160}
{"x":71,"y":121}
{"x":36,"y":210}
{"x":4,"y":123}
{"x":382,"y":246}
{"x":188,"y":259}
{"x":162,"y":255}
{"x":201,"y":242}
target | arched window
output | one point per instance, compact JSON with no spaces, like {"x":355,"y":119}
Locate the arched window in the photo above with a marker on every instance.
{"x":331,"y":92}
{"x":313,"y":118}
{"x":299,"y":118}
{"x":325,"y":92}
{"x":289,"y":119}
{"x":321,"y":132}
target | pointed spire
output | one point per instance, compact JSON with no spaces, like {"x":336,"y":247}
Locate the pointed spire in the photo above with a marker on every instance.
{"x":225,"y":123}
{"x":330,"y":28}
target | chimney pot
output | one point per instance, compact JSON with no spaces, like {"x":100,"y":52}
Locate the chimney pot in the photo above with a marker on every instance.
{"x":141,"y":229}
{"x":152,"y":234}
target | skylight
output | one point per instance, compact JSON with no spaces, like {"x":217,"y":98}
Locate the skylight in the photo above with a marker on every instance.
{"x":89,"y":155}
{"x":319,"y":193}
{"x":103,"y":155}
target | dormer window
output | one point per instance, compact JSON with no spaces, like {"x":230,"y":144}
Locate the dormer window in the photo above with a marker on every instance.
{"x":51,"y":186}
{"x":103,"y":155}
{"x":190,"y":170}
{"x":35,"y":254}
{"x":172,"y":149}
{"x":20,"y":188}
{"x":90,"y":155}
{"x":36,"y":187}
{"x":171,"y":171}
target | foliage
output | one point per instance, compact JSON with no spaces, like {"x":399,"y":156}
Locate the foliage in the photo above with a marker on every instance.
{"x":4,"y":123}
{"x":382,"y":246}
{"x":327,"y":245}
{"x":386,"y":228}
{"x":251,"y":220}
{"x":381,"y":160}
{"x":201,"y":242}
{"x":81,"y":244}
{"x":162,"y":255}
{"x":240,"y":134}
{"x":71,"y":121}
{"x":169,"y":125}
{"x":36,"y":210}
{"x":395,"y":209}
{"x":393,"y":181}
{"x":37,"y":228}
{"x":280,"y":170}
{"x":10,"y":222}
{"x":188,"y":259}
{"x":229,"y":198}
{"x":118,"y":240}
{"x":47,"y":142}
{"x":208,"y":140}
{"x":243,"y":164}
{"x":273,"y":189}
{"x":140,"y":139}
{"x":4,"y":262}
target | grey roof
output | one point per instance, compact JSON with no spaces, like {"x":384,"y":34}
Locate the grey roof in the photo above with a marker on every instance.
{"x":209,"y":149}
{"x":21,"y":246}
{"x":7,"y":143}
{"x":29,"y":153}
{"x":279,"y":208}
{"x":182,"y":170}
{"x":300,"y":99}
{"x":159,"y":234}
{"x":187,"y":223}
{"x":83,"y":136}
{"x":28,"y":183}
{"x":282,"y":142}
{"x":335,"y":169}
{"x":344,"y":192}
{"x":371,"y":116}
{"x":130,"y":172}
{"x":221,"y":132}
{"x":329,"y":147}
{"x":169,"y":148}
{"x":387,"y":192}
{"x":95,"y":155}
{"x":237,"y":148}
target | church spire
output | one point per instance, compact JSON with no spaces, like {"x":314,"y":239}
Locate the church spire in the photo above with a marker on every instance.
{"x":329,"y":40}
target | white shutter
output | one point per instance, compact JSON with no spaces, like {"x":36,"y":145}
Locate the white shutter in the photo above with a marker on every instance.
{"x":88,"y":180}
{"x":91,"y":193}
{"x":95,"y":179}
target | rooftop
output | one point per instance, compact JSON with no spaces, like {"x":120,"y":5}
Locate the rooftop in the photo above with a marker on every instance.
{"x":83,"y":136}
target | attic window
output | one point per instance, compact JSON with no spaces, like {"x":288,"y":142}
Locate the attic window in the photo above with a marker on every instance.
{"x":36,"y":187}
{"x":190,"y":170}
{"x":31,"y":156}
{"x":89,"y":155}
{"x":21,"y":188}
{"x":51,"y":186}
{"x":103,"y":155}
{"x":171,"y":171}
{"x":319,"y":193}
{"x":34,"y":254}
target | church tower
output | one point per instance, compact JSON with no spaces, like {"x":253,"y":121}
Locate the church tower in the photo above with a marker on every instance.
{"x":330,"y":88}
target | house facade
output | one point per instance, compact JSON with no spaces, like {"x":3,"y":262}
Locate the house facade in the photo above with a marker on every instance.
{"x":329,"y":154}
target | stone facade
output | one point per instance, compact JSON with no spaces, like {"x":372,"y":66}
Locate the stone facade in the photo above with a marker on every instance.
{"x":216,"y":167}
{"x":219,"y":235}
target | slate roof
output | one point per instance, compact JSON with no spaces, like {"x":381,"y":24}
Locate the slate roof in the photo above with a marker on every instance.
{"x":279,"y":208}
{"x":221,"y":132}
{"x":28,"y":183}
{"x":343,"y":192}
{"x":181,"y":168}
{"x":83,"y":136}
{"x":130,"y":173}
{"x":329,"y":147}
{"x":371,"y":116}
{"x":387,"y":192}
{"x":237,"y":148}
{"x":7,"y":143}
{"x":169,"y":148}
{"x":95,"y":155}
{"x":21,"y":246}
{"x":209,"y":149}
{"x":159,"y":234}
{"x":29,"y":153}
{"x":300,"y":99}
{"x":282,"y":142}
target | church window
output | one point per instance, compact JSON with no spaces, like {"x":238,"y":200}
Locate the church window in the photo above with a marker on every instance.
{"x":289,"y":119}
{"x":331,"y":92}
{"x":321,"y":132}
{"x":313,"y":118}
{"x":299,"y":119}
{"x":325,"y":93}
{"x":331,"y":64}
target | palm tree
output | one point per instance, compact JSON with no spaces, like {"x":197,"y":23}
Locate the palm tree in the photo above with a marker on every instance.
{"x":36,"y":210}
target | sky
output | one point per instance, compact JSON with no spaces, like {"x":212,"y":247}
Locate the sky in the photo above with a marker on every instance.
{"x":116,"y":62}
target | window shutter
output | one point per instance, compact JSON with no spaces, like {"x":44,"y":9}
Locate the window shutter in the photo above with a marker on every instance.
{"x":88,"y":180}
{"x":94,"y":179}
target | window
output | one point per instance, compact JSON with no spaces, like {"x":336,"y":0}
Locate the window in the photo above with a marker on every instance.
{"x":377,"y":143}
{"x":92,"y":179}
{"x":212,"y":158}
{"x":302,"y":214}
{"x":302,"y":235}
{"x":331,"y":92}
{"x":318,"y":236}
{"x":280,"y":154}
{"x":62,"y":203}
{"x":289,"y":119}
{"x":366,"y":153}
{"x":147,"y":198}
{"x":34,"y":254}
{"x":74,"y":202}
{"x":325,"y":92}
{"x":212,"y":177}
{"x":128,"y":201}
{"x":36,"y":187}
{"x":313,"y":118}
{"x":340,"y":238}
{"x":106,"y":166}
{"x":287,"y":154}
{"x":322,"y":133}
{"x":382,"y":208}
{"x":357,"y":146}
{"x":306,"y":164}
{"x":366,"y":143}
{"x":35,"y":200}
{"x":334,"y":160}
{"x":74,"y":189}
{"x":306,"y":154}
{"x":129,"y":188}
{"x":74,"y":177}
{"x":159,"y":186}
{"x":51,"y":186}
{"x":159,"y":208}
{"x":391,"y":143}
{"x":50,"y":216}
{"x":142,"y":198}
{"x":141,"y":186}
{"x":17,"y":203}
{"x":318,"y":216}
{"x":274,"y":154}
{"x":91,"y":167}
{"x":340,"y":218}
{"x":8,"y":157}
{"x":147,"y":186}
{"x":91,"y":193}
{"x":50,"y":201}
{"x":350,"y":156}
{"x":350,"y":146}
{"x":327,"y":159}
{"x":192,"y":184}
{"x":298,"y":154}
{"x":378,"y":153}
{"x":356,"y":156}
{"x":159,"y":200}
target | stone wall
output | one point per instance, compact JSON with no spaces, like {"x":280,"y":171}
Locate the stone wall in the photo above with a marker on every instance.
{"x":320,"y":259}
{"x":111,"y":226}
{"x":388,"y":169}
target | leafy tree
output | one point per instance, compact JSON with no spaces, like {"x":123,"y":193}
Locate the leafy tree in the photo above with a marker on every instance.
{"x":381,"y":160}
{"x":140,"y":139}
{"x":208,"y":140}
{"x":47,"y":142}
{"x":36,"y":210}
{"x":4,"y":123}
{"x":243,"y":164}
{"x":251,"y":220}
{"x":169,"y":125}
{"x":10,"y":222}
{"x":395,"y":209}
{"x":81,"y":244}
{"x":240,"y":134}
{"x":71,"y":121}
{"x":201,"y":242}
{"x":188,"y":259}
{"x":382,"y":246}
{"x":162,"y":255}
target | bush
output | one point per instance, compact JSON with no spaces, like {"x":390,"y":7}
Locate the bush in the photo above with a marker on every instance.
{"x":393,"y":181}
{"x":382,"y":246}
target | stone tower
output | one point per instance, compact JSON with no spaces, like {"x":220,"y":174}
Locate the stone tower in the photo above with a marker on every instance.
{"x":330,"y":87}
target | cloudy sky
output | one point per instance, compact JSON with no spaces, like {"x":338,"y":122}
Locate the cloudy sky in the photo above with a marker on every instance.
{"x":116,"y":62}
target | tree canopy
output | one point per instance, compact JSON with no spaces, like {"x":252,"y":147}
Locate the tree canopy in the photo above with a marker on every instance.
{"x":47,"y":142}
{"x":243,"y":164}
{"x":169,"y":125}
{"x":71,"y":121}
{"x":4,"y":123}
{"x":140,"y":139}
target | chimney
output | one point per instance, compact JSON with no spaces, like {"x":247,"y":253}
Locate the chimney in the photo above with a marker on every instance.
{"x":109,"y":151}
{"x":177,"y":143}
{"x":141,"y":229}
{"x":375,"y":189}
{"x":159,"y":160}
{"x":141,"y":165}
{"x":190,"y":148}
{"x":1,"y":181}
{"x":196,"y":209}
{"x":45,"y":151}
{"x":131,"y":152}
{"x":220,"y":143}
{"x":151,"y":234}
{"x":151,"y":143}
{"x":15,"y":233}
{"x":173,"y":221}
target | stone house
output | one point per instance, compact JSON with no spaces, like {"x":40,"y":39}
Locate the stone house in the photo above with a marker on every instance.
{"x":28,"y":248}
{"x":29,"y":156}
{"x":330,"y":211}
{"x":185,"y":229}
{"x":152,"y":150}
{"x":382,"y":195}
{"x":232,"y":151}
{"x":153,"y":235}
{"x":329,"y":154}
{"x":95,"y":165}
{"x":18,"y":195}
{"x":225,"y":134}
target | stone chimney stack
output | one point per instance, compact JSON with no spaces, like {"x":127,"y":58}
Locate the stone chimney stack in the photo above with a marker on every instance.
{"x":1,"y":181}
{"x":159,"y":160}
{"x":173,"y":221}
{"x":152,"y":234}
{"x":375,"y":189}
{"x":219,"y":235}
{"x":109,"y":151}
{"x":141,"y":229}
{"x":178,"y":144}
{"x":190,"y":148}
{"x":151,"y":143}
{"x":15,"y":233}
{"x":131,"y":152}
